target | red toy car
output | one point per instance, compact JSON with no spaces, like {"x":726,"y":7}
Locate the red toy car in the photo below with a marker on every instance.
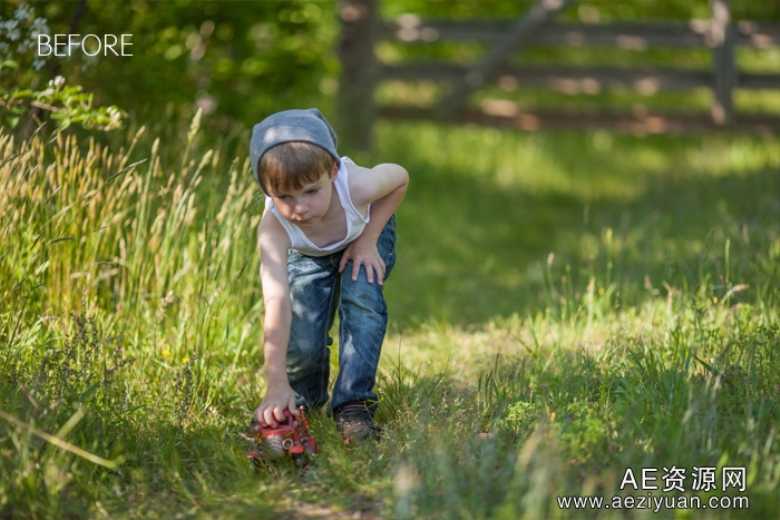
{"x":290,"y":437}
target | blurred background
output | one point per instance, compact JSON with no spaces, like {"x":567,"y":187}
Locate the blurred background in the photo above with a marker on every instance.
{"x":239,"y":61}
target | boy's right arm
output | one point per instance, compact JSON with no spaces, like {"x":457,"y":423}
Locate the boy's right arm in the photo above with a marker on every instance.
{"x":274,"y":243}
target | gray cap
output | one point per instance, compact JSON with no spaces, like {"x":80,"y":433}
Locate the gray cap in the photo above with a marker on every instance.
{"x":307,"y":125}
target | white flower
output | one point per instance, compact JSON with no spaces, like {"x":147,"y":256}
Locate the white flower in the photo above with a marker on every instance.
{"x":23,"y":12}
{"x":40,"y":25}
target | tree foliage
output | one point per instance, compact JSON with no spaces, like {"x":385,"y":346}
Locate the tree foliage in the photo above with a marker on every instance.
{"x":20,"y":62}
{"x":239,"y":60}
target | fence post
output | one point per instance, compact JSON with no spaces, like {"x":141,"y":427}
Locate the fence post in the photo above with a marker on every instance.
{"x":356,"y":108}
{"x":722,"y":38}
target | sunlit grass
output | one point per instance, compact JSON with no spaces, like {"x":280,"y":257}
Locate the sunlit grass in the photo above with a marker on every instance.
{"x":489,"y":208}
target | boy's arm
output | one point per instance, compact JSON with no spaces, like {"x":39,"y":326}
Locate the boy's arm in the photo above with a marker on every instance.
{"x":384,"y":187}
{"x":274,"y":243}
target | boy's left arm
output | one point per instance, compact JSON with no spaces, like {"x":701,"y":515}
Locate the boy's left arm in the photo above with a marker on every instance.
{"x":384,"y":186}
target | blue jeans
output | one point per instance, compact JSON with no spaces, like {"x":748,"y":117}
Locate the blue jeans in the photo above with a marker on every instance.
{"x":317,"y":289}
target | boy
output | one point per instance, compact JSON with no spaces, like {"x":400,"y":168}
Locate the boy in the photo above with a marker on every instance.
{"x":327,"y":240}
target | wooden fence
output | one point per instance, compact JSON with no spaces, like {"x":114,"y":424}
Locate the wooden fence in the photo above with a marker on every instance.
{"x":362,"y":72}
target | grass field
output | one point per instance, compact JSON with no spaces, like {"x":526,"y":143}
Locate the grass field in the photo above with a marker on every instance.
{"x":565,"y":306}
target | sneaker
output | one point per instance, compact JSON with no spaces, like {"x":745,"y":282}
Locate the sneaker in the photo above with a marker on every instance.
{"x":355,"y":422}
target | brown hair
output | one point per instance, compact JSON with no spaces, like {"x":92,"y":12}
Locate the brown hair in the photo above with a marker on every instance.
{"x":288,"y":166}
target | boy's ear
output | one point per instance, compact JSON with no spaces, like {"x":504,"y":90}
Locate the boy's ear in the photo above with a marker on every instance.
{"x":334,"y":170}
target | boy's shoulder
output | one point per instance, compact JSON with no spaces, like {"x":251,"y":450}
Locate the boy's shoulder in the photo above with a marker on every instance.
{"x":271,"y":234}
{"x":357,"y":177}
{"x":368,"y":184}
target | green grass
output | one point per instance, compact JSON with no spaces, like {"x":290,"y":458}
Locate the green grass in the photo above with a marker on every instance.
{"x":565,"y":305}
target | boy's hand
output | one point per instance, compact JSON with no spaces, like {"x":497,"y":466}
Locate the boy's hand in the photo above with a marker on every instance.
{"x":279,"y":397}
{"x":363,"y":251}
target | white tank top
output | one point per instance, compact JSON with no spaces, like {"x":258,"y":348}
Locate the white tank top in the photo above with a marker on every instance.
{"x":356,"y":222}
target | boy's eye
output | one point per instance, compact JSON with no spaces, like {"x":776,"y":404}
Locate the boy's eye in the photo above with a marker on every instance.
{"x":312,"y":191}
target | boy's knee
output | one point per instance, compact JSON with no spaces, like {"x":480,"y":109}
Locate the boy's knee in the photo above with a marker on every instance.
{"x":299,"y":365}
{"x":362,"y":295}
{"x":305,"y":354}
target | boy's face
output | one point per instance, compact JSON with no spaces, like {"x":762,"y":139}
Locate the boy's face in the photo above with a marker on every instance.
{"x":309,"y":203}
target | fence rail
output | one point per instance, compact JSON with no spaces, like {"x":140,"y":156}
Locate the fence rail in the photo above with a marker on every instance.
{"x":720,"y":35}
{"x":573,"y":80}
{"x":410,"y":29}
{"x":506,"y":114}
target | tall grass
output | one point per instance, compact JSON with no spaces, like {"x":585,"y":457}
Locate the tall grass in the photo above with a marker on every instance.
{"x":117,"y":284}
{"x":566,"y":306}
